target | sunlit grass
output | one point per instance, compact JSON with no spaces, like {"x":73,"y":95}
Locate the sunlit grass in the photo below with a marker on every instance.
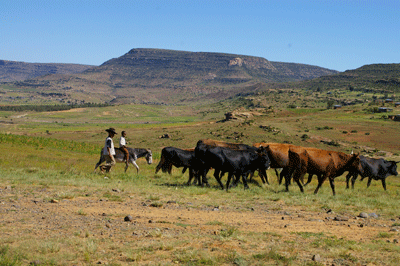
{"x":62,"y":161}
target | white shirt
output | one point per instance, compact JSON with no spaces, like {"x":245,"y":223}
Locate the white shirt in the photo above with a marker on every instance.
{"x":112,"y":150}
{"x":122,"y":141}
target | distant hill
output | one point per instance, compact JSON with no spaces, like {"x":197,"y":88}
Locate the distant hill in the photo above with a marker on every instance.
{"x":19,"y":71}
{"x":375,"y":77}
{"x":169,"y":77}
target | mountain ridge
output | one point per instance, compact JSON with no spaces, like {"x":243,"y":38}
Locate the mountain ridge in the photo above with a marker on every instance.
{"x":18,"y":71}
{"x":162,"y":76}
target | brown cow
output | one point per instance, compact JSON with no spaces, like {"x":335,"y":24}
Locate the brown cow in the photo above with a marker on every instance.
{"x":326,"y":164}
{"x":218,"y":143}
{"x":278,"y":154}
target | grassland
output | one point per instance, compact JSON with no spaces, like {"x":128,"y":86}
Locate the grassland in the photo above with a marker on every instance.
{"x":56,"y":211}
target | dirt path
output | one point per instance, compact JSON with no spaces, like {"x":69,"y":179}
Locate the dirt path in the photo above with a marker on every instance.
{"x":37,"y":216}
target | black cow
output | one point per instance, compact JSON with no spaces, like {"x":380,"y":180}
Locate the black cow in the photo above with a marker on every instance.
{"x":235,"y":162}
{"x":377,"y":169}
{"x":201,"y":148}
{"x":171,"y":156}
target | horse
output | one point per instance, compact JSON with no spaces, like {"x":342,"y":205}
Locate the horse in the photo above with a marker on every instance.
{"x":134,"y":154}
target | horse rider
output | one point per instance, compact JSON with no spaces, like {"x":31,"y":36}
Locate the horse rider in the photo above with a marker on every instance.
{"x":108,"y":150}
{"x":123,"y":148}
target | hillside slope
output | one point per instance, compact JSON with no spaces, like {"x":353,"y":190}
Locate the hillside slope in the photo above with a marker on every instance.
{"x":170,"y":77}
{"x":19,"y":71}
{"x":374,"y":77}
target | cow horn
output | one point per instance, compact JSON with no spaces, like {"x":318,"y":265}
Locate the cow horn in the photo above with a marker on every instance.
{"x":352,"y":152}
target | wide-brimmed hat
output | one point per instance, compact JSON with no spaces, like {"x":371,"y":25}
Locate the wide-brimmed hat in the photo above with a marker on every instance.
{"x":111,"y":130}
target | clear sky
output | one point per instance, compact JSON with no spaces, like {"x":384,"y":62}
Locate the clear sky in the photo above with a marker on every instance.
{"x":336,"y":34}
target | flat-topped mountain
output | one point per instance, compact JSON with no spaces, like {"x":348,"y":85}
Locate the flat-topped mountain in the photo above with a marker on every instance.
{"x":201,"y":68}
{"x":18,"y":71}
{"x":169,"y":76}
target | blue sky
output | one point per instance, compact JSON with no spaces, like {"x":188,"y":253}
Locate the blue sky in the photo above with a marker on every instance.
{"x":335,"y":34}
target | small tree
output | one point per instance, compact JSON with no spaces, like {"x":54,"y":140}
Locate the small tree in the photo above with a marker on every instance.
{"x":330,"y":104}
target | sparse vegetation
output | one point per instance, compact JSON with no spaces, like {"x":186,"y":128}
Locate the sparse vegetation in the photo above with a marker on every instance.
{"x":56,"y":211}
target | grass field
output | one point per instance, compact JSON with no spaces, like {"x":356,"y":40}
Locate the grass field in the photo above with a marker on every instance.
{"x":56,"y":211}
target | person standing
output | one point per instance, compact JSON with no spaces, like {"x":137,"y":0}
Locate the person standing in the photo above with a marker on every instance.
{"x":108,"y":150}
{"x":122,"y":146}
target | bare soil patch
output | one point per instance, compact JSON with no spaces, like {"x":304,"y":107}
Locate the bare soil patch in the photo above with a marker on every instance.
{"x":166,"y":226}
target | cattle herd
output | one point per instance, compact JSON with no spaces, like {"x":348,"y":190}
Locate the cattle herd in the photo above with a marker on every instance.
{"x":241,"y":161}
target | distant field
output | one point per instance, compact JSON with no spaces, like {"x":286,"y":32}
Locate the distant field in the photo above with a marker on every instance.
{"x":56,"y":211}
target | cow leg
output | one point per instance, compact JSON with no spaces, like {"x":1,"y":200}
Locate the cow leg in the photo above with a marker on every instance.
{"x":320,"y":181}
{"x":184,"y":169}
{"x":234,"y":179}
{"x":228,"y":181}
{"x":282,"y":175}
{"x":298,"y":174}
{"x":347,"y":180}
{"x":332,"y":183}
{"x":369,"y":181}
{"x":203,"y":180}
{"x":297,"y":177}
{"x":196,"y":176}
{"x":237,"y":179}
{"x":309,"y":179}
{"x":383,"y":183}
{"x":216,"y":175}
{"x":252,"y":175}
{"x":264,"y":179}
{"x":353,"y":180}
{"x":191,"y":175}
{"x":158,"y":168}
{"x":221,"y":175}
{"x":169,"y":168}
{"x":277,"y":174}
{"x":287,"y":183}
{"x":288,"y":174}
{"x":244,"y":177}
{"x":160,"y":164}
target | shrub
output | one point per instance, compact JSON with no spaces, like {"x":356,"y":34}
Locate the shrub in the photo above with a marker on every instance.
{"x":324,"y":128}
{"x":305,"y":137}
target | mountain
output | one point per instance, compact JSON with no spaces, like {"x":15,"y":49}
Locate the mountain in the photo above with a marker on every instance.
{"x":18,"y":71}
{"x":170,"y":77}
